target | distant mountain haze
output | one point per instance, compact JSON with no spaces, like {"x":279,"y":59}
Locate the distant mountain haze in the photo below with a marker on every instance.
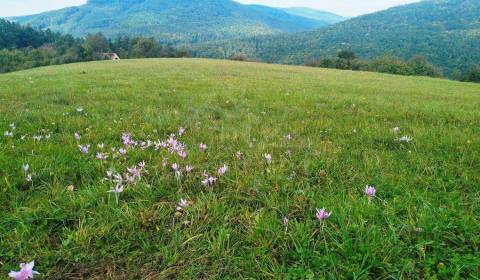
{"x":175,"y":21}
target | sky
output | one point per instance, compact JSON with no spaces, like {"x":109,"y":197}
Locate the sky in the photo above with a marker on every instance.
{"x":343,"y":7}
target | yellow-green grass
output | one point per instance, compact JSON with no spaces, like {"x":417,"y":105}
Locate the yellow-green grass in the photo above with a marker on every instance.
{"x":423,"y":224}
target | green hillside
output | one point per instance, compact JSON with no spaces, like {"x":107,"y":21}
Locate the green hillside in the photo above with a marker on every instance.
{"x":177,"y":21}
{"x":329,"y":134}
{"x":447,"y":32}
{"x":327,"y":17}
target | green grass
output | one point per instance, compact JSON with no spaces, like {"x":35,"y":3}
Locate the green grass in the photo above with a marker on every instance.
{"x":424,"y":224}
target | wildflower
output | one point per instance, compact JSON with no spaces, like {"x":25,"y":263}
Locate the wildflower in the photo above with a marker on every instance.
{"x":188,"y":168}
{"x":37,"y":137}
{"x":122,"y":151}
{"x":102,"y":156}
{"x":182,"y":154}
{"x":26,"y":167}
{"x":322,"y":214}
{"x":285,"y":221}
{"x":77,"y":136}
{"x":8,"y":134}
{"x":181,"y":131}
{"x":209,"y":180}
{"x":80,"y":109}
{"x":268,"y":158}
{"x":101,"y":146}
{"x":26,"y":272}
{"x":141,"y":164}
{"x":370,"y":191}
{"x":29,"y":177}
{"x":239,"y":155}
{"x":84,"y":149}
{"x":182,"y":204}
{"x":203,"y":146}
{"x":288,"y":137}
{"x":405,"y":139}
{"x":222,"y":170}
{"x":395,"y":129}
{"x":117,"y":190}
{"x":175,"y":167}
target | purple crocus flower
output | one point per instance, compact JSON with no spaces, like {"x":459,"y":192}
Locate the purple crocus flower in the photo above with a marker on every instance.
{"x":26,"y":272}
{"x":181,"y":131}
{"x":268,"y":158}
{"x":175,"y":167}
{"x":285,"y":221}
{"x":239,"y":155}
{"x":188,"y":168}
{"x":203,"y":146}
{"x":222,"y":170}
{"x":77,"y":136}
{"x":370,"y":191}
{"x":209,"y":180}
{"x":182,"y":204}
{"x":117,"y":190}
{"x":102,"y":156}
{"x":84,"y":149}
{"x":322,"y":214}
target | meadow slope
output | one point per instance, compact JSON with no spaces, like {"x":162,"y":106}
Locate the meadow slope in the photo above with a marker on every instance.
{"x":329,"y":134}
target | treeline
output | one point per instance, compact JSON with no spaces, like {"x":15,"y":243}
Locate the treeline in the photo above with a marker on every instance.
{"x":23,"y":47}
{"x":416,"y":66}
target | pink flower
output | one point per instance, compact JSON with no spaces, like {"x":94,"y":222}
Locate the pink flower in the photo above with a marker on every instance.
{"x":182,"y":154}
{"x":102,"y":156}
{"x":175,"y":167}
{"x":188,"y":168}
{"x":202,"y":146}
{"x":182,"y":204}
{"x":26,"y":272}
{"x":122,"y":151}
{"x":322,"y":214}
{"x":222,"y":170}
{"x":84,"y":149}
{"x":181,"y":131}
{"x":239,"y":155}
{"x":268,"y":158}
{"x":285,"y":221}
{"x":370,"y":191}
{"x":77,"y":136}
{"x":209,"y":180}
{"x":117,"y":190}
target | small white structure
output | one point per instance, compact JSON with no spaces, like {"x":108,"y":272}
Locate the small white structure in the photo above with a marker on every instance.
{"x":111,"y":56}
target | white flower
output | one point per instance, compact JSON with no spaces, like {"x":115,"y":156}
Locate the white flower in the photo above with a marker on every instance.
{"x":405,"y":139}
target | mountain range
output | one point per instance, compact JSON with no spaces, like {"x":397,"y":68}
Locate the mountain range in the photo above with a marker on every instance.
{"x":446,"y":32}
{"x":178,"y":21}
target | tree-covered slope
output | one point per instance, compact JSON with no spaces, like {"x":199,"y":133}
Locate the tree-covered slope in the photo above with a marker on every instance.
{"x":13,"y":35}
{"x":172,"y":20}
{"x":323,"y":16}
{"x":447,"y":32}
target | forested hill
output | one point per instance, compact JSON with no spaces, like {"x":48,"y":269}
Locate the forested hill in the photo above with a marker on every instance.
{"x":447,"y":32}
{"x":13,"y":35}
{"x":175,"y":21}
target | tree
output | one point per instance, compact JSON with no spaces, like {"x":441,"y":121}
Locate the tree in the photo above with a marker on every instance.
{"x":473,"y":74}
{"x":96,"y":44}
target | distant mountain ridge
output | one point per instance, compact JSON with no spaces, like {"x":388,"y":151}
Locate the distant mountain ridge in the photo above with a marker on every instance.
{"x":446,"y":32}
{"x":176,"y":21}
{"x":323,"y":16}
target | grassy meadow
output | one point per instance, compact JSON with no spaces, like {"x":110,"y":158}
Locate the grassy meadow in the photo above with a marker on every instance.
{"x":329,"y":133}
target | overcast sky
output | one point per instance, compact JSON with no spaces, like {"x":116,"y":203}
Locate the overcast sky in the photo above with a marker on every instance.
{"x":343,"y":7}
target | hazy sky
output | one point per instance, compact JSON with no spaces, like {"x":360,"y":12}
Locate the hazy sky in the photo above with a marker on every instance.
{"x":343,"y":7}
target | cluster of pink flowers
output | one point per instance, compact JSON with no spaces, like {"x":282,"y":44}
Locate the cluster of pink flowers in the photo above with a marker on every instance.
{"x":26,"y":272}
